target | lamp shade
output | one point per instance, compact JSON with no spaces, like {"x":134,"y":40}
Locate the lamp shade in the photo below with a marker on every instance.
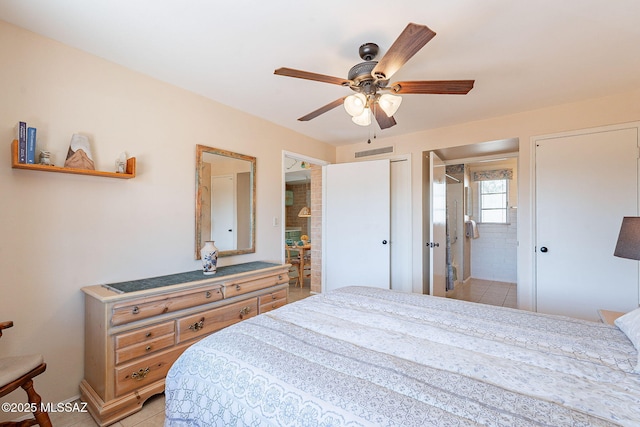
{"x":305,"y":212}
{"x":363,"y":119}
{"x":628,"y":245}
{"x":389,"y":103}
{"x":355,"y":104}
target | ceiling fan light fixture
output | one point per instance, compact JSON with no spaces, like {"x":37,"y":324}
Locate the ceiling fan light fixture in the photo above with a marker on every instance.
{"x":363,"y":119}
{"x":355,"y":104}
{"x":389,"y":103}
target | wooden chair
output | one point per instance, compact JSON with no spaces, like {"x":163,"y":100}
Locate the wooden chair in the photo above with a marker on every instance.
{"x":19,"y":372}
{"x":293,"y":258}
{"x":306,"y":268}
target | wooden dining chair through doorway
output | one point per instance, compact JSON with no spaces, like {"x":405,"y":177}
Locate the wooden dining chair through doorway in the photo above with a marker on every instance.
{"x":293,"y":258}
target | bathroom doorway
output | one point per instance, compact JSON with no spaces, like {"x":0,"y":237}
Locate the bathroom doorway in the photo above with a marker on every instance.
{"x":482,"y":200}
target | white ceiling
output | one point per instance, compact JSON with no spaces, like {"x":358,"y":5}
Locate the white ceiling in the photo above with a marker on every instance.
{"x":523,"y":55}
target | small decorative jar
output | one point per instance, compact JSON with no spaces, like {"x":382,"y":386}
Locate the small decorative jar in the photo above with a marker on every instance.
{"x":45,"y":158}
{"x":209,"y":255}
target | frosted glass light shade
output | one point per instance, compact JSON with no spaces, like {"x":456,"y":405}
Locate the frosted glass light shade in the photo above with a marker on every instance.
{"x":355,"y":104}
{"x":389,"y":103}
{"x":363,"y":119}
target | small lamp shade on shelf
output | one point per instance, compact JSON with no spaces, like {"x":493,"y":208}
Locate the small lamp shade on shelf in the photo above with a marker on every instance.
{"x":305,"y":212}
{"x":628,"y":245}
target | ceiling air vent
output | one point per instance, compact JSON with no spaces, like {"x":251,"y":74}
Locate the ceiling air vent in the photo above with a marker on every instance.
{"x":374,"y":152}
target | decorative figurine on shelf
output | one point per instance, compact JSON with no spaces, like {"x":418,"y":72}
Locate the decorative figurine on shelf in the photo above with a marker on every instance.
{"x":45,"y":158}
{"x":121,"y":163}
{"x":79,"y":154}
{"x":209,"y":255}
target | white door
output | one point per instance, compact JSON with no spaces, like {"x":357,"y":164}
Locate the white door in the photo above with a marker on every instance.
{"x":401,"y":238}
{"x":357,"y":224}
{"x":585,"y":184}
{"x":223,"y":212}
{"x":437,"y":227}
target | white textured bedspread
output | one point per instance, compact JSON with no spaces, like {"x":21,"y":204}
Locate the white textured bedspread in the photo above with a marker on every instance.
{"x":360,"y":356}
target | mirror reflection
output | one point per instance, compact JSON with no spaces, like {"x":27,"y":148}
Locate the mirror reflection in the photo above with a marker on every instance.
{"x":225,"y":201}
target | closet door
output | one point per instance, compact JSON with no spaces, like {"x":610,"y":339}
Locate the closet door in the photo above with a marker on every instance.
{"x":585,"y":184}
{"x":356,"y":239}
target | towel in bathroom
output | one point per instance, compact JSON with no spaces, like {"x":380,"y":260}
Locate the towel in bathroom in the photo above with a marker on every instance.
{"x":471,"y":229}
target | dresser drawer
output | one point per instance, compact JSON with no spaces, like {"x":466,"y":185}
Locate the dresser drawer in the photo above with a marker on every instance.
{"x":242,"y":286}
{"x":272,"y":300}
{"x":143,"y":335}
{"x":272,"y":305}
{"x":143,"y":308}
{"x":272,"y":296}
{"x":137,"y":350}
{"x":201,"y":324}
{"x":145,"y":371}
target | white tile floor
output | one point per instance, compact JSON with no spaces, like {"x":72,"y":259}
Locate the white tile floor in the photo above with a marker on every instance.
{"x":486,"y":292}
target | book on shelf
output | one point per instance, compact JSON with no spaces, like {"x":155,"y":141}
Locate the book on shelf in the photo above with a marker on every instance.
{"x":22,"y":142}
{"x":31,"y":145}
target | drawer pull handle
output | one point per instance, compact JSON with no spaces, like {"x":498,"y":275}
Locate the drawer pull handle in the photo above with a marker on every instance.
{"x":237,"y":287}
{"x":148,"y":335}
{"x":244,"y":312}
{"x":140,"y":374}
{"x":273,"y":296}
{"x":207,"y":294}
{"x":279,"y":276}
{"x":148,"y":348}
{"x":197,"y":326}
{"x":274,"y":305}
{"x":135,"y":310}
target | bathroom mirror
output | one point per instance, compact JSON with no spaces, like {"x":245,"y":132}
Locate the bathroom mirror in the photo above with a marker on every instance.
{"x":225,"y":201}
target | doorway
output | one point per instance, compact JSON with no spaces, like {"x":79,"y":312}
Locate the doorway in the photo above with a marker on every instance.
{"x":302,"y":217}
{"x":481,"y":249}
{"x":482,"y":202}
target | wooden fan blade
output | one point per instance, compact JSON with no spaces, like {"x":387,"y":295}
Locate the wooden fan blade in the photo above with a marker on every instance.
{"x":290,"y":72}
{"x":383,"y":120}
{"x":322,"y":110}
{"x":444,"y":87}
{"x":408,"y":43}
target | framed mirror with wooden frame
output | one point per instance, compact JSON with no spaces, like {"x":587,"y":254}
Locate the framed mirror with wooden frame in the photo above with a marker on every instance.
{"x":225,"y":201}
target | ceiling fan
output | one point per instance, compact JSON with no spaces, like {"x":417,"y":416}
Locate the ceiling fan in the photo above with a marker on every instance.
{"x":370,"y":80}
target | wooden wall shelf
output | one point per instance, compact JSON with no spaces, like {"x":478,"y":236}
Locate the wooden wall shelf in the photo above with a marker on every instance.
{"x":130,"y":170}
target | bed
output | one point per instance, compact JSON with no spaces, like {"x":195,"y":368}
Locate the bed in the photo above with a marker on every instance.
{"x":361,"y":356}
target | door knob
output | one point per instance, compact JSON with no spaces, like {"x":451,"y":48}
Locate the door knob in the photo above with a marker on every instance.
{"x":544,"y":249}
{"x":384,"y":242}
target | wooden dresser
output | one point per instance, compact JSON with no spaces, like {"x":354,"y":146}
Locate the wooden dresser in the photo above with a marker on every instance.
{"x":134,"y":331}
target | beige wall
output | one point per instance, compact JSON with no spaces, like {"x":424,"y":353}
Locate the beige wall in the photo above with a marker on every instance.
{"x":617,"y":108}
{"x":60,"y":232}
